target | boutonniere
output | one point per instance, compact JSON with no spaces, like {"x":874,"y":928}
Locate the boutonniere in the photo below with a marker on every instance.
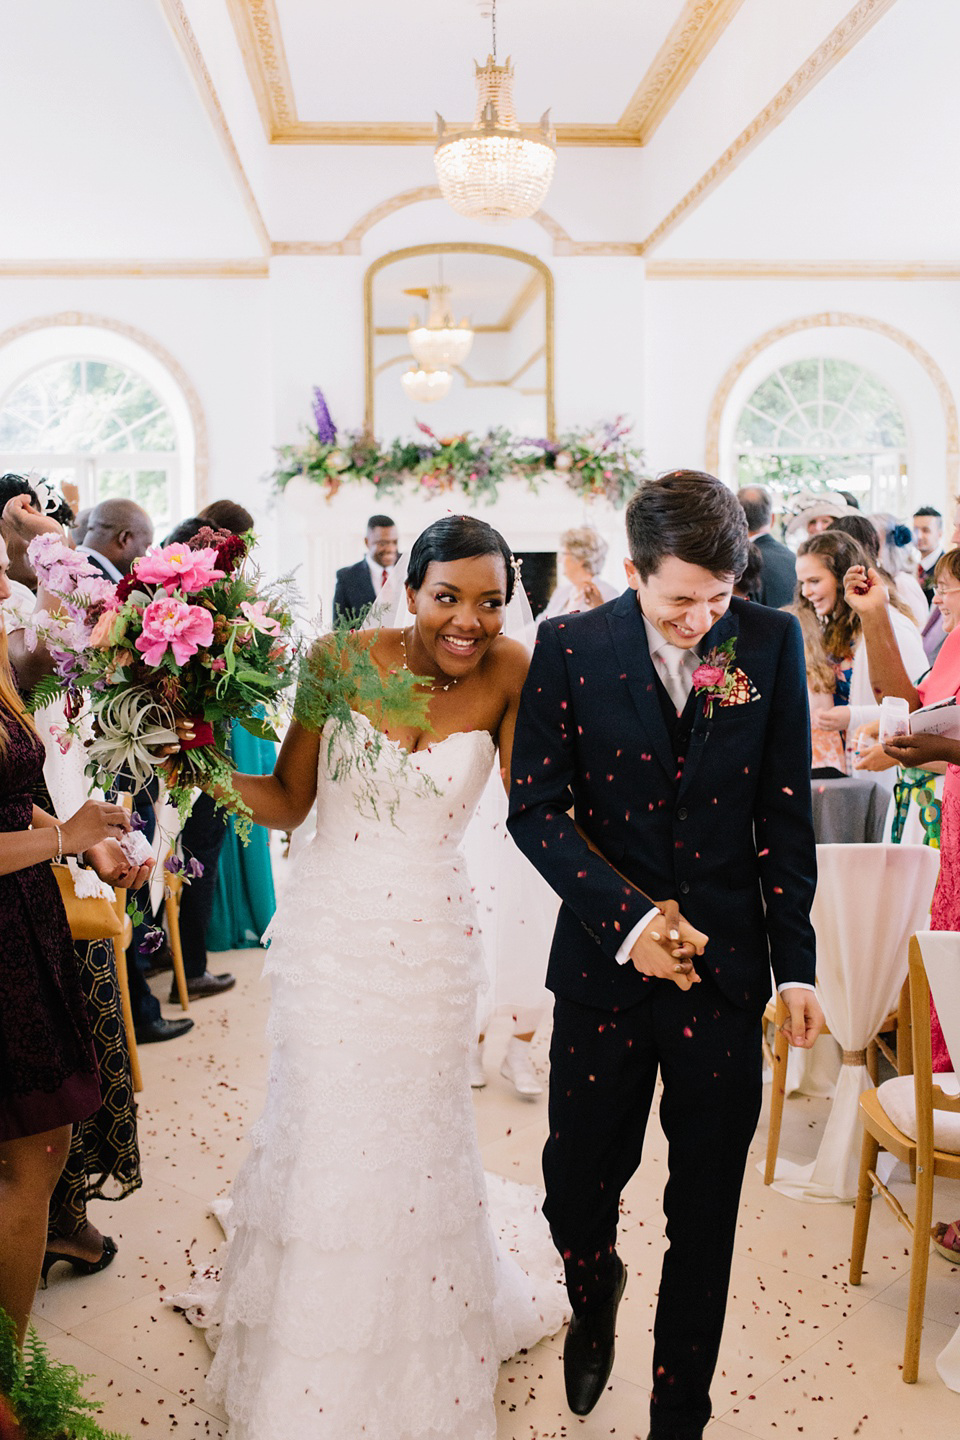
{"x":719,"y":681}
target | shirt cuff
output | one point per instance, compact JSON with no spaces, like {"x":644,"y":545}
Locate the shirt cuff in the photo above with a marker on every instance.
{"x":794,"y":985}
{"x":623,"y":954}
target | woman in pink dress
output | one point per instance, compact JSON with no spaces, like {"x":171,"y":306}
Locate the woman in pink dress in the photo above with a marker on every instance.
{"x":867,"y":595}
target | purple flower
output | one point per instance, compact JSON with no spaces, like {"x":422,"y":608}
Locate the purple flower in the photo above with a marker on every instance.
{"x":326,"y":430}
{"x":137,"y":822}
{"x":151,"y":941}
{"x":173,"y":864}
{"x":194,"y":868}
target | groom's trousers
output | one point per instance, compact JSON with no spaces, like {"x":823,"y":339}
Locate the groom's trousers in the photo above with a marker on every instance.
{"x":604,"y":1068}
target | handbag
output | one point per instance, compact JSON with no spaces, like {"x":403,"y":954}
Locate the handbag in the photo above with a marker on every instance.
{"x":93,"y":918}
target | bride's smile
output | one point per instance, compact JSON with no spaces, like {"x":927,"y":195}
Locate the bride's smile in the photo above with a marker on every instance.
{"x":459,"y":613}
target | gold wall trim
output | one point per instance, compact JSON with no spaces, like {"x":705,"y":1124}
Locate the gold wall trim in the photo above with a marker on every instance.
{"x":251,"y":269}
{"x":826,"y":320}
{"x":257,"y":28}
{"x":692,"y":37}
{"x":168,"y":361}
{"x":841,"y":40}
{"x":799,"y":270}
{"x":187,"y":40}
{"x":456,"y":248}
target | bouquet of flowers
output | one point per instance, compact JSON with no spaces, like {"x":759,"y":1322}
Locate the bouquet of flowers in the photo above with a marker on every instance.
{"x":191,"y":634}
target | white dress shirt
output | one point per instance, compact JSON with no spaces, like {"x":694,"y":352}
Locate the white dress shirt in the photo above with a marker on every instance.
{"x":377,"y":573}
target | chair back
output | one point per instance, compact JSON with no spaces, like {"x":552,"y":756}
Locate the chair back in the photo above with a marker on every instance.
{"x":941,"y":961}
{"x":934,"y":960}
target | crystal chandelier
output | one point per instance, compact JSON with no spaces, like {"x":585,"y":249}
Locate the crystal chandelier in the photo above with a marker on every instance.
{"x":425,"y":386}
{"x":439,"y":344}
{"x":494,"y":171}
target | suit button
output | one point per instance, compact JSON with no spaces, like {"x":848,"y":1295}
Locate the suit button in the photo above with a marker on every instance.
{"x":682,"y":813}
{"x":684,"y":887}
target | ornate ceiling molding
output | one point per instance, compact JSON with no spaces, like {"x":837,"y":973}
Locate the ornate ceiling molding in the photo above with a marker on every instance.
{"x":251,"y":269}
{"x":799,"y":270}
{"x":147,"y":342}
{"x":838,"y":43}
{"x":259,"y":35}
{"x":693,"y":36}
{"x":825,"y":320}
{"x":187,"y":40}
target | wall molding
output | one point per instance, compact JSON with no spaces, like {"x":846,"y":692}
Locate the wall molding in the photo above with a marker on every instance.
{"x":159,"y":352}
{"x":691,"y":38}
{"x":827,"y":320}
{"x":799,"y":270}
{"x":252,"y":269}
{"x":841,"y":40}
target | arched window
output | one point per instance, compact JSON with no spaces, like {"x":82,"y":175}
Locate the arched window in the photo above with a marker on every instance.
{"x":98,"y":423}
{"x":825,"y":420}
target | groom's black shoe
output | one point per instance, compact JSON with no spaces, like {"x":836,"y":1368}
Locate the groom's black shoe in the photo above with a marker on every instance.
{"x":588,"y":1351}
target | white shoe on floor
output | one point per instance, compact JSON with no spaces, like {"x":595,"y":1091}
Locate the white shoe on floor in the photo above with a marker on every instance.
{"x":517,"y":1069}
{"x":475,"y":1068}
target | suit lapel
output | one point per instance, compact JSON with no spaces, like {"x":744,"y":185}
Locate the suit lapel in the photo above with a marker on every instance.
{"x":726,"y":628}
{"x":633,"y":653}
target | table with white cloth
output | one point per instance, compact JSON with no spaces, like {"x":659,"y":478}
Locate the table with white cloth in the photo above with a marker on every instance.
{"x":851,"y":809}
{"x":869,"y":900}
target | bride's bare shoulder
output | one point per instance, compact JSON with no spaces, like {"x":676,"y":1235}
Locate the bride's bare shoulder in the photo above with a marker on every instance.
{"x":509,"y":660}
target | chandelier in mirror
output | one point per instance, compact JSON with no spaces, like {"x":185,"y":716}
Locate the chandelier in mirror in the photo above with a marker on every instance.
{"x":424,"y":386}
{"x":439,"y":343}
{"x":494,"y":171}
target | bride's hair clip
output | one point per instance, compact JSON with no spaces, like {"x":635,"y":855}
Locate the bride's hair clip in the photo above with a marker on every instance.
{"x":516,"y":566}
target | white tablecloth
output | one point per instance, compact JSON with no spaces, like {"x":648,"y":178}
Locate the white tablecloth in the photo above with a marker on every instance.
{"x":870,"y":899}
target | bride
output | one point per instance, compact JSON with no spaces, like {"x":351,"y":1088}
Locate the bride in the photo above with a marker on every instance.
{"x":363,"y":1293}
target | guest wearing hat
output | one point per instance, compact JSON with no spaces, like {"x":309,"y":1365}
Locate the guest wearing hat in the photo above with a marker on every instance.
{"x":811,"y":513}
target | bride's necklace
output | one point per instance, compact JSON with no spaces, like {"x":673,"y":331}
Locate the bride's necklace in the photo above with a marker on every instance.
{"x":433,"y":684}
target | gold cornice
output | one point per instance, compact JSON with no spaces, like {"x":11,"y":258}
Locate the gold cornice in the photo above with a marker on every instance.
{"x":825,"y":320}
{"x":457,"y":248}
{"x":140,"y":337}
{"x":251,"y":269}
{"x":841,"y":40}
{"x":187,"y":40}
{"x":257,"y":28}
{"x":692,"y":37}
{"x":799,"y":270}
{"x":417,"y":132}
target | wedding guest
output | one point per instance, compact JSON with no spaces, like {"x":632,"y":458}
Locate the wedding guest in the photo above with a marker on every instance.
{"x":48,"y":1069}
{"x":928,"y":534}
{"x":778,"y":578}
{"x":118,"y":532}
{"x":226,"y":515}
{"x":838,"y":674}
{"x":359,"y":585}
{"x":20,"y":570}
{"x":750,"y":584}
{"x":812,"y":512}
{"x":896,"y":559}
{"x":582,"y":553}
{"x":78,"y":530}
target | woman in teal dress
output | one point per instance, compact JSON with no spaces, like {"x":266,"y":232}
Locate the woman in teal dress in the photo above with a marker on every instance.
{"x":244,"y":900}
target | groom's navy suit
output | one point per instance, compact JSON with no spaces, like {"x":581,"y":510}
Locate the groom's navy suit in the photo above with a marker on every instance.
{"x":716,"y":814}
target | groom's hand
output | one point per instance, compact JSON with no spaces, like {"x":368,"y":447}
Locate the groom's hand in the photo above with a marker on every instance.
{"x":665,"y":949}
{"x":806,"y":1018}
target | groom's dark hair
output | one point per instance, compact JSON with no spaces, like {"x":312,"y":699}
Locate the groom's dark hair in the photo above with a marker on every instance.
{"x":691,"y":515}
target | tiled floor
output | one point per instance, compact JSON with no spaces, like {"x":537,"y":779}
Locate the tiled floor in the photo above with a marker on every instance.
{"x":804,"y":1353}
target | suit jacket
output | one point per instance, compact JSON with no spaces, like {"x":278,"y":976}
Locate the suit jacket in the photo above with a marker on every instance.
{"x":778,"y":579}
{"x":728,"y":832}
{"x":354,"y":590}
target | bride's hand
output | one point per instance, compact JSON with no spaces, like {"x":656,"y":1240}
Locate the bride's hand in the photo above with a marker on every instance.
{"x":665,"y":949}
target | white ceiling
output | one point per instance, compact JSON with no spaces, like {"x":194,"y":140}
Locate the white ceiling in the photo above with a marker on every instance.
{"x":110,"y":149}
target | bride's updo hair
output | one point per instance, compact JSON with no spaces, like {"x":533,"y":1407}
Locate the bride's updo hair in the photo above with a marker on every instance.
{"x":457,"y":537}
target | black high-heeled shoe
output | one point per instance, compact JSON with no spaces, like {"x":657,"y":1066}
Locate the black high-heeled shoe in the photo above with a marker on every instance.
{"x":81,"y":1266}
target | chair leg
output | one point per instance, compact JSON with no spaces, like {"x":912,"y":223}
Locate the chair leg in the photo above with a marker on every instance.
{"x":127,"y":1009}
{"x":919,"y":1262}
{"x":873,"y":1063}
{"x":778,"y":1086}
{"x":869,"y":1152}
{"x":171,"y":906}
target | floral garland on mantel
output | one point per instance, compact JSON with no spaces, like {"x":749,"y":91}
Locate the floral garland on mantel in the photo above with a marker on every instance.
{"x":594,"y":464}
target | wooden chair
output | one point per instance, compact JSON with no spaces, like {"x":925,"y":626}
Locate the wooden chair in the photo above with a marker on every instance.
{"x":121,"y":944}
{"x":172,"y":891}
{"x":880,"y":1132}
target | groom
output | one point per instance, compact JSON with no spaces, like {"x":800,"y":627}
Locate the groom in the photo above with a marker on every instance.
{"x":673,"y":723}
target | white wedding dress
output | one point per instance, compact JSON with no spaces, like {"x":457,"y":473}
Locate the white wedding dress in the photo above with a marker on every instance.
{"x":364,"y":1295}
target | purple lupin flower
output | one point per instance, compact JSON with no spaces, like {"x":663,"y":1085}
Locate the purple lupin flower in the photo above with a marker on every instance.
{"x":193,"y":868}
{"x":151,"y":942}
{"x":173,"y":864}
{"x":326,"y":430}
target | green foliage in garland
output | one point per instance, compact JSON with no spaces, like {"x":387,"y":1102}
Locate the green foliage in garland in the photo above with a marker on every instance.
{"x":45,"y":1397}
{"x":593,"y":463}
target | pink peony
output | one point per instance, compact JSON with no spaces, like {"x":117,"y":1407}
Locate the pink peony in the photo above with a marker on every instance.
{"x":706,"y":676}
{"x":179,"y":566}
{"x":184,"y":628}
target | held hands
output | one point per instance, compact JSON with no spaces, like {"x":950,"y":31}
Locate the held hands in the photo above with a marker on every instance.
{"x":112,"y":865}
{"x":805,"y":1020}
{"x":665,"y":949}
{"x":96,"y":820}
{"x":864,"y":591}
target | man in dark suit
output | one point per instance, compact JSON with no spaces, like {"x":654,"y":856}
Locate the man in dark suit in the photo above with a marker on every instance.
{"x":928,"y":534}
{"x":359,"y":585}
{"x":778,"y":580}
{"x":673,"y":722}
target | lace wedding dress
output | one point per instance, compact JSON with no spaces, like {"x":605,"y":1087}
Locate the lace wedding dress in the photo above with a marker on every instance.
{"x":364,"y":1295}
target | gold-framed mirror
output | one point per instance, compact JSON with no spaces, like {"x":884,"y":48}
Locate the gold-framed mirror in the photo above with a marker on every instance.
{"x":506,"y":379}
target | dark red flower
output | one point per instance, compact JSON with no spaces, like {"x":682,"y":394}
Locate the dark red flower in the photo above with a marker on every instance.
{"x":128,"y":583}
{"x":229,"y":551}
